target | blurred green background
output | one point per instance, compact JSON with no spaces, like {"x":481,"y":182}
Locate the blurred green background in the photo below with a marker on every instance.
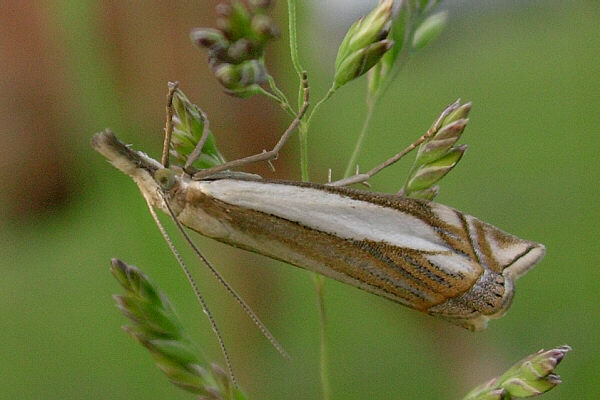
{"x":71,"y":68}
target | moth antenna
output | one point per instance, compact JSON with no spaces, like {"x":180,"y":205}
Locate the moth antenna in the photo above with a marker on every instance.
{"x":262,"y":327}
{"x":194,"y":286}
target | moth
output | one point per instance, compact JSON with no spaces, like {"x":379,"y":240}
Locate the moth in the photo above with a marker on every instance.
{"x":424,"y":255}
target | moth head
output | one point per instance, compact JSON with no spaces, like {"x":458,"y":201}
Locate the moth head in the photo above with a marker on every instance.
{"x":147,"y":173}
{"x":165,"y":178}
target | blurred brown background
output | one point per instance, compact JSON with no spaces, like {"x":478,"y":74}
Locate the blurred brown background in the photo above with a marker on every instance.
{"x":68,"y":67}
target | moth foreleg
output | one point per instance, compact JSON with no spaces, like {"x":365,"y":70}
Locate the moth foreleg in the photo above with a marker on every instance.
{"x":265,"y":155}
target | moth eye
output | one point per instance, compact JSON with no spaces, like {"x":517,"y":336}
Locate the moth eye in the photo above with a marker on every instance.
{"x":165,"y":178}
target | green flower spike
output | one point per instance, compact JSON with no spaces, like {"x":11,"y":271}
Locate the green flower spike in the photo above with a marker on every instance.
{"x":364,"y":44}
{"x":155,"y":325}
{"x":532,"y":376}
{"x":411,"y":30}
{"x":430,"y":29}
{"x":438,"y":154}
{"x":189,"y":123}
{"x":211,"y":39}
{"x":241,"y":80}
{"x":398,"y":33}
{"x":428,"y":174}
{"x":359,"y":62}
{"x":236,"y":48}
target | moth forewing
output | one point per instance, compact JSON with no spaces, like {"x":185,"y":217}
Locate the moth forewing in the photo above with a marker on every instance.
{"x":421,"y":254}
{"x":424,"y":255}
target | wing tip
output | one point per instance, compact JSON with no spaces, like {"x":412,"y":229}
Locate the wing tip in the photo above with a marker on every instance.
{"x":526,"y":261}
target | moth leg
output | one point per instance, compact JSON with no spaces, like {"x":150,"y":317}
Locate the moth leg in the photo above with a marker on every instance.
{"x":197,"y":152}
{"x":361,"y":178}
{"x":365,"y":176}
{"x":169,"y":124}
{"x":341,"y":182}
{"x":265,"y":155}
